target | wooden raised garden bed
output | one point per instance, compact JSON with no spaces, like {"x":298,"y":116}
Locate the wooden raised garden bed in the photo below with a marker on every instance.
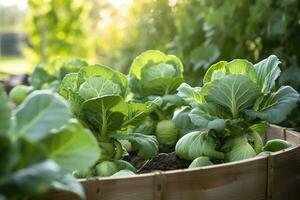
{"x":275,"y":177}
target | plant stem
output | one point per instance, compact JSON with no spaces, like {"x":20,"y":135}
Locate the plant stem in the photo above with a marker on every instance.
{"x":104,"y":121}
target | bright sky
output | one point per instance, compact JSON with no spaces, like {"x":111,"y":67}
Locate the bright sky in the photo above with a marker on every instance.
{"x":22,"y":4}
{"x":118,"y":3}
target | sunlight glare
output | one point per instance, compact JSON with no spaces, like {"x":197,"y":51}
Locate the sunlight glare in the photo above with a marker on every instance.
{"x":119,"y":3}
{"x":21,"y":4}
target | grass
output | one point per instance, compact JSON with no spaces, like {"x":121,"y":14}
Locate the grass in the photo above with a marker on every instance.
{"x":14,"y":65}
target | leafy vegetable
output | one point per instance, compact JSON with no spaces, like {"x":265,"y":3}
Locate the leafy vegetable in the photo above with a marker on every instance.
{"x":18,"y":94}
{"x":239,"y":148}
{"x":166,"y":132}
{"x":50,"y":75}
{"x":276,"y":145}
{"x":106,"y":168}
{"x":5,"y":113}
{"x":196,"y":144}
{"x":200,"y":162}
{"x":124,"y":172}
{"x":39,"y":146}
{"x":97,"y":95}
{"x":62,"y":146}
{"x":155,"y":73}
{"x":155,"y":76}
{"x":35,"y":115}
{"x":82,"y":173}
{"x":276,"y":106}
{"x":146,"y":145}
{"x":235,"y":96}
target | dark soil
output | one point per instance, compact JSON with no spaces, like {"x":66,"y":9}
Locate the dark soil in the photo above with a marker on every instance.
{"x":162,"y":162}
{"x":13,"y":81}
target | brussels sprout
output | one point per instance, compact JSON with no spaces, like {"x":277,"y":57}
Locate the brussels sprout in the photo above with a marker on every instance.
{"x":126,"y":144}
{"x":240,"y":152}
{"x":107,"y":150}
{"x":124,"y":172}
{"x":276,"y":145}
{"x":106,"y":168}
{"x":18,"y":93}
{"x":166,"y":132}
{"x":122,"y":164}
{"x":111,"y":150}
{"x":200,"y":162}
{"x":239,"y":148}
{"x":82,"y":173}
{"x":196,"y":144}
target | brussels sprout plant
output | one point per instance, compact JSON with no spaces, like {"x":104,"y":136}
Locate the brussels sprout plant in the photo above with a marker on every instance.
{"x":97,"y":95}
{"x":41,"y":145}
{"x":155,"y":76}
{"x":233,"y":109}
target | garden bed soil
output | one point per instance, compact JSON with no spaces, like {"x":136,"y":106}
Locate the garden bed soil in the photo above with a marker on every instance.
{"x":165,"y":160}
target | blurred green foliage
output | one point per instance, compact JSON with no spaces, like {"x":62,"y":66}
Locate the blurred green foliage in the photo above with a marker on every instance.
{"x":58,"y":28}
{"x":202,"y":32}
{"x":199,"y":32}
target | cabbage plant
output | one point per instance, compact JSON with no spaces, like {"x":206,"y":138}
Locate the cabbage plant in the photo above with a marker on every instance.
{"x":233,"y":109}
{"x":155,"y":76}
{"x":97,"y":95}
{"x":46,"y":76}
{"x":41,"y":145}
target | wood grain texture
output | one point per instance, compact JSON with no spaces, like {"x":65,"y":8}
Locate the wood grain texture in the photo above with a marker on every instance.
{"x":275,"y":177}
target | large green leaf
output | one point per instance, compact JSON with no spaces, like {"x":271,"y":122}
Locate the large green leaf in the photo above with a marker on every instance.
{"x":183,"y":121}
{"x":235,"y":92}
{"x":40,"y":76}
{"x":72,"y":147}
{"x":70,"y":184}
{"x":68,"y":89}
{"x":276,"y":106}
{"x":202,"y":118}
{"x":161,"y":86}
{"x":68,"y":85}
{"x":146,"y":145}
{"x":105,"y":72}
{"x":96,"y":87}
{"x":136,"y":113}
{"x":153,"y":57}
{"x":32,"y":180}
{"x":239,"y":148}
{"x":99,"y":115}
{"x":9,"y":154}
{"x":267,"y":72}
{"x":191,"y":95}
{"x":29,"y":153}
{"x":260,"y":128}
{"x":5,"y":112}
{"x":219,"y":66}
{"x":155,"y":73}
{"x":196,"y":144}
{"x":161,"y":70}
{"x":242,"y":67}
{"x":39,"y":113}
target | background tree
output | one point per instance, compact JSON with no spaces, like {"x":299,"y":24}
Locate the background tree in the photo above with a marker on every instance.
{"x":58,"y":28}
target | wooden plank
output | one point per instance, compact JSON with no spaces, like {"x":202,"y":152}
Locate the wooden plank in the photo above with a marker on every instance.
{"x":275,"y":132}
{"x":242,"y":180}
{"x":293,"y":137}
{"x":275,"y":177}
{"x":287,"y":171}
{"x":270,"y":177}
